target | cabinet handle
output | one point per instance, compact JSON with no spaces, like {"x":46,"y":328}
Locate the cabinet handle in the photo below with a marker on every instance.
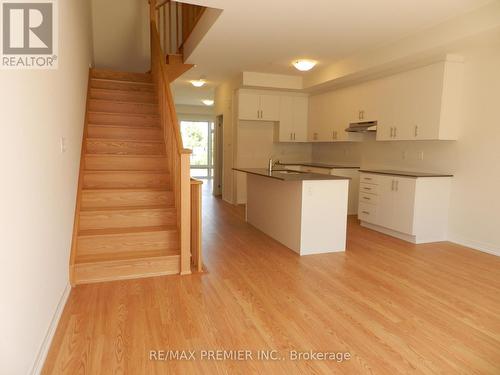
{"x":367,"y":178}
{"x":392,"y":185}
{"x":290,"y":136}
{"x":315,"y":136}
{"x":294,"y":136}
{"x":365,"y":212}
{"x":416,"y":130}
{"x":392,"y":132}
{"x":366,"y":198}
{"x":397,"y":185}
{"x":395,"y":132}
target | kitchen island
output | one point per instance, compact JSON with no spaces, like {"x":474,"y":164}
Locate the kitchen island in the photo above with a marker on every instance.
{"x":307,"y":212}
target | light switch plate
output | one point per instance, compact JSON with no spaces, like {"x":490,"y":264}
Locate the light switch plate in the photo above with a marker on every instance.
{"x":63,"y":145}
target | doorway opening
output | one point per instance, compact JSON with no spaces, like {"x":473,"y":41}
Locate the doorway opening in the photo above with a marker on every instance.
{"x":199,"y":137}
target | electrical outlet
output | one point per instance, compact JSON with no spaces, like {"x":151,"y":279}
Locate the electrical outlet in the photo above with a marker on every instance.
{"x":420,"y":155}
{"x":63,"y":145}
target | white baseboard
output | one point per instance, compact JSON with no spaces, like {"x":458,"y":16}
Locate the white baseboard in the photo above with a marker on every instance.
{"x":476,"y":245}
{"x":44,"y":348}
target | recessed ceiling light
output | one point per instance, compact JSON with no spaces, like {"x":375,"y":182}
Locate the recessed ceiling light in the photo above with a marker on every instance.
{"x":208,"y":102}
{"x":304,"y":65}
{"x":198,"y":82}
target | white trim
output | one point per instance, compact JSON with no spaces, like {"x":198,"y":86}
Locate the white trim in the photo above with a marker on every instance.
{"x":476,"y":245}
{"x":44,"y":348}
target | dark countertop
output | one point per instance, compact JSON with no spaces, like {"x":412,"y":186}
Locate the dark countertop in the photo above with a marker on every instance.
{"x":404,"y":173}
{"x":297,"y":176}
{"x":322,"y":165}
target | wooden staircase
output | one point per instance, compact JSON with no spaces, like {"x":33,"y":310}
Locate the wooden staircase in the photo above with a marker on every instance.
{"x":138,"y":212}
{"x":127,"y":220}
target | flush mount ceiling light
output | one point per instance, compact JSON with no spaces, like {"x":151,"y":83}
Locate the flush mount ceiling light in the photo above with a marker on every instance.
{"x":208,"y":102}
{"x":304,"y":65}
{"x":198,"y":82}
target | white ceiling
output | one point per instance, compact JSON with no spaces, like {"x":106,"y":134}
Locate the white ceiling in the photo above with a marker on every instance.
{"x":265,"y":36}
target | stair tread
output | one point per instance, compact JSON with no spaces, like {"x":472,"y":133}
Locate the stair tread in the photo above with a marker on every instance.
{"x":132,"y":255}
{"x":122,"y":81}
{"x":123,"y":140}
{"x":126,"y":156}
{"x":127,"y":190}
{"x":155,"y":115}
{"x":128,"y":126}
{"x":128,"y":230}
{"x":161,"y":171}
{"x":121,"y":91}
{"x":122,"y":102}
{"x":129,"y":208}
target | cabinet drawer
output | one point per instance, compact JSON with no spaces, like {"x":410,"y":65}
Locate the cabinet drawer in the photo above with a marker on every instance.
{"x":368,"y":188}
{"x":368,"y":198}
{"x":369,"y":178}
{"x":367,"y":212}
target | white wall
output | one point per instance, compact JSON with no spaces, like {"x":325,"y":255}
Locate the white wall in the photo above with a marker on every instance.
{"x":256,"y":145}
{"x":39,"y":188}
{"x":474,"y":158}
{"x":224,"y":106}
{"x":121,"y":35}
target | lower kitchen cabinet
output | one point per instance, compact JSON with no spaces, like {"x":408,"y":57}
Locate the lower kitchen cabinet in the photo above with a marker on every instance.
{"x":414,"y":209}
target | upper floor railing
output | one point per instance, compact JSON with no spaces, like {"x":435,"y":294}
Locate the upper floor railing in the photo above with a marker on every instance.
{"x":176,"y":21}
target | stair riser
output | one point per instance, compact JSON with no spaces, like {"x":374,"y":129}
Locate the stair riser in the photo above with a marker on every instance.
{"x":126,"y":218}
{"x":125,"y":163}
{"x":124,"y":133}
{"x":127,"y":243}
{"x":116,"y":198}
{"x":130,"y":269}
{"x":125,"y":148}
{"x":119,"y":107}
{"x":123,"y":120}
{"x":125,"y":180}
{"x":123,"y":96}
{"x":121,"y":76}
{"x":122,"y":86}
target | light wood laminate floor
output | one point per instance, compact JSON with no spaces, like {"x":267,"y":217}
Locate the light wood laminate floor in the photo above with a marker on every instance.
{"x":395,"y":307}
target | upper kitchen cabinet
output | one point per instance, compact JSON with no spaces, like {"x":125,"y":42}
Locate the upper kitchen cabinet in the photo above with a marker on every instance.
{"x":329,"y":116}
{"x":424,"y":103}
{"x":258,"y":107}
{"x":292,"y":125}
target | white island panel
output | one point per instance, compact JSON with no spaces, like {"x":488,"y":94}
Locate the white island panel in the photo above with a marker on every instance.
{"x":307,"y":216}
{"x":324,"y":216}
{"x":274,"y":207}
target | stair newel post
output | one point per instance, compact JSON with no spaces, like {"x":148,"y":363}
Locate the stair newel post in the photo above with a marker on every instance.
{"x":185,"y":214}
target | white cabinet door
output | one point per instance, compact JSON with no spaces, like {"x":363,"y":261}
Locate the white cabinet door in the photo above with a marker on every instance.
{"x":249,"y":106}
{"x":428,"y":91}
{"x":317,"y":117}
{"x":286,"y":119}
{"x":404,"y":205}
{"x":385,"y":120}
{"x":300,"y":110}
{"x":385,"y":206}
{"x":404,"y":106}
{"x":270,"y":107}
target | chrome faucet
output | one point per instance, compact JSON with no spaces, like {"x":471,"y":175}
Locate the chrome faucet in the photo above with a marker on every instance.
{"x":272,"y":164}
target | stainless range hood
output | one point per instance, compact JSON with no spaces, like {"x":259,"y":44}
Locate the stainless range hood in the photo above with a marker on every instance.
{"x":362,"y":127}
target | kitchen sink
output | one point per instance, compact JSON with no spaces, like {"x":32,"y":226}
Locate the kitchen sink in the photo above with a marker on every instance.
{"x":287,"y":171}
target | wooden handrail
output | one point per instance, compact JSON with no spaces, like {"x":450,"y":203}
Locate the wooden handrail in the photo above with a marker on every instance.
{"x":177,"y":156}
